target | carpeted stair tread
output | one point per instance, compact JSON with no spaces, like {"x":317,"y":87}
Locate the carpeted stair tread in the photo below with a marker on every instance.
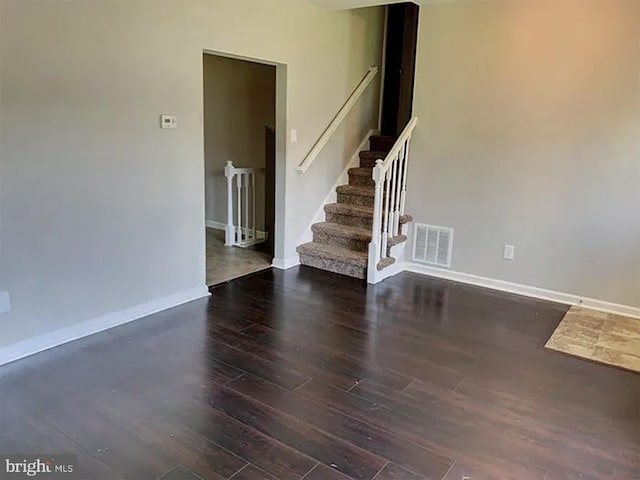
{"x":356,"y":233}
{"x":385,"y":262}
{"x":381,"y":142}
{"x":346,"y":231}
{"x":393,"y":241}
{"x":346,"y":209}
{"x":361,"y":176}
{"x":333,"y":253}
{"x":360,"y":190}
{"x":368,"y":158}
{"x":349,"y":236}
{"x":358,"y":211}
{"x":361,"y":171}
{"x":375,"y":154}
{"x":334,"y":258}
{"x":360,"y":195}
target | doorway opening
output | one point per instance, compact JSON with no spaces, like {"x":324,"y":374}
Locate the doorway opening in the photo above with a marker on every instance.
{"x":401,"y":44}
{"x":240,"y":166}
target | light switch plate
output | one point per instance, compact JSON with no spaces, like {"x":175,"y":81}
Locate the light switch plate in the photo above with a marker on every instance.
{"x":168,"y":121}
{"x":509,"y":252}
{"x":5,"y":302}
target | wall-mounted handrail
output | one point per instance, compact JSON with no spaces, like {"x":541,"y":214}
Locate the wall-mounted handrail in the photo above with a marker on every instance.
{"x":337,"y":120}
{"x":390,"y":179}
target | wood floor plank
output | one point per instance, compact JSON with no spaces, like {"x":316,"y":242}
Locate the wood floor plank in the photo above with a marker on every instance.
{"x":261,"y":450}
{"x":379,"y":442}
{"x":284,"y":353}
{"x":322,"y":472}
{"x":625,"y":475}
{"x":394,"y":472}
{"x":127,"y":454}
{"x":246,"y":361}
{"x":180,"y":473}
{"x":476,"y":421}
{"x":552,"y":424}
{"x":438,"y":431}
{"x":200,"y":454}
{"x":333,"y":359}
{"x":31,"y":433}
{"x":251,"y":472}
{"x":344,"y":457}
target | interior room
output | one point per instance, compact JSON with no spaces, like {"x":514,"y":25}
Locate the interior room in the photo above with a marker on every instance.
{"x":239,"y":127}
{"x":320,"y":239}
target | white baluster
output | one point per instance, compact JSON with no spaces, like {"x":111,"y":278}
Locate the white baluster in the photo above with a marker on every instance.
{"x":385,"y":214}
{"x":403,"y":194}
{"x":246,"y":206}
{"x":396,"y":212}
{"x":392,"y":197}
{"x":239,"y":212}
{"x":392,"y":202}
{"x":375,"y":245}
{"x":253,"y":195}
{"x":229,"y":232}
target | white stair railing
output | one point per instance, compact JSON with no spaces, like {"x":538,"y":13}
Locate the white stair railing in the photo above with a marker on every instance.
{"x":241,"y":184}
{"x":390,"y":178}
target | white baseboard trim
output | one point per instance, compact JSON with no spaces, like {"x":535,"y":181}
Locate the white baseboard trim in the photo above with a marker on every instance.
{"x":223,"y":226}
{"x":214,"y":224}
{"x":49,"y":340}
{"x":285,"y":263}
{"x":526,"y":290}
{"x":332,"y":196}
{"x":5,"y":302}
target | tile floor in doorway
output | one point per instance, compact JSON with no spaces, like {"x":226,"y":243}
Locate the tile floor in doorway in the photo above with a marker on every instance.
{"x":227,"y":263}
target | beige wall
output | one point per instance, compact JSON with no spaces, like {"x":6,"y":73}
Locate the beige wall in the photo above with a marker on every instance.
{"x":239,"y":101}
{"x":529,"y":135}
{"x":100,"y":209}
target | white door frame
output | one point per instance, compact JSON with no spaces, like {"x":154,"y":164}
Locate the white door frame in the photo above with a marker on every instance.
{"x":281,"y":145}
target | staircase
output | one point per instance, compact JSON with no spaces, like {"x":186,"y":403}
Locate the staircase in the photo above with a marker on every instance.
{"x":341,"y":244}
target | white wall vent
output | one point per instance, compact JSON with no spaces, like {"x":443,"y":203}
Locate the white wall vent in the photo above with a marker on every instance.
{"x":432,"y":244}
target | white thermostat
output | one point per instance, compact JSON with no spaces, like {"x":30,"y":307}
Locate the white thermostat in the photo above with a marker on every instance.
{"x":168,"y":121}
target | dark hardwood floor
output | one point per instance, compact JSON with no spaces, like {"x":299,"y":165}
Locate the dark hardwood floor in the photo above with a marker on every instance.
{"x":306,"y":374}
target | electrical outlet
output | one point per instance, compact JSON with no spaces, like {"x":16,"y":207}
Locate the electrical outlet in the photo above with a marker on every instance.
{"x":294,"y":135}
{"x":509,"y":252}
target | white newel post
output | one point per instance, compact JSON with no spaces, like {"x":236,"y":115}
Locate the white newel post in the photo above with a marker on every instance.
{"x":230,"y":231}
{"x":374,"y":246}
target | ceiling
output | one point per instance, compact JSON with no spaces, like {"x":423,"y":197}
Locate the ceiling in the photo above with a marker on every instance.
{"x":346,"y":4}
